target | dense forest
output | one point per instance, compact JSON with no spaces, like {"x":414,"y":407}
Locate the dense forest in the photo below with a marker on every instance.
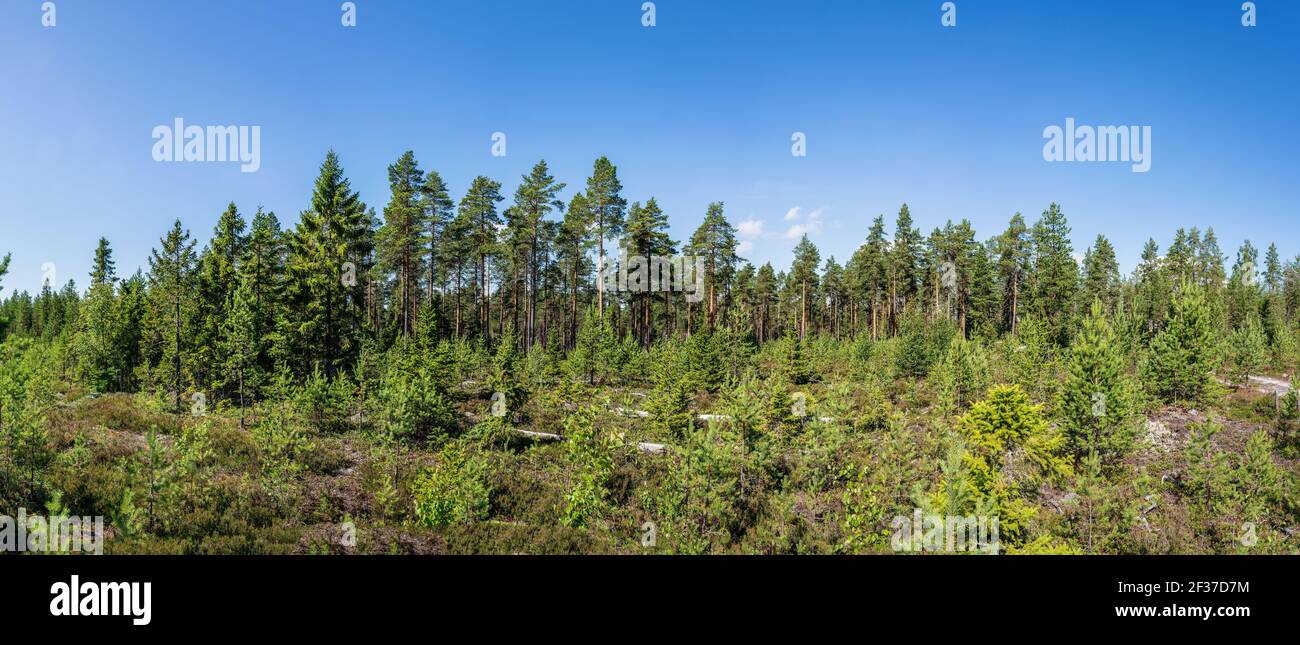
{"x":452,"y":377}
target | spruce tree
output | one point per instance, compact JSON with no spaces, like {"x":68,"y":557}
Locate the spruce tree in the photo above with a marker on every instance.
{"x":102,"y":270}
{"x":1004,"y":423}
{"x":217,"y":280}
{"x":505,"y":379}
{"x":240,"y":344}
{"x":1182,"y":356}
{"x":794,"y":363}
{"x":132,"y":311}
{"x":1101,"y":279}
{"x":323,"y":312}
{"x":1152,"y":291}
{"x":591,"y":352}
{"x":262,"y":270}
{"x":669,"y":402}
{"x":95,"y":341}
{"x":171,"y":309}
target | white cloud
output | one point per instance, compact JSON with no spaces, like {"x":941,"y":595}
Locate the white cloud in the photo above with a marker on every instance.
{"x":750,"y":229}
{"x":811,"y":226}
{"x":744,"y":247}
{"x":799,"y":230}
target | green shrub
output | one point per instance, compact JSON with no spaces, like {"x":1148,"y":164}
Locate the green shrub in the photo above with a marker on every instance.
{"x":454,"y":491}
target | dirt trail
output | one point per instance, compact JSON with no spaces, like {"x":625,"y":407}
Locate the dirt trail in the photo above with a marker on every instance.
{"x":1269,"y":384}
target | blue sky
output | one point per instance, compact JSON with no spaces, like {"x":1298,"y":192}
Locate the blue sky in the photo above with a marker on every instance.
{"x":699,"y":108}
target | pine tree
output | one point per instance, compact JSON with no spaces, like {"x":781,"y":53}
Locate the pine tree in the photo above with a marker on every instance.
{"x":574,"y":241}
{"x":441,"y":208}
{"x":1180,"y":365}
{"x":1100,"y":518}
{"x":536,"y":196}
{"x":647,"y":238}
{"x":804,"y":272}
{"x":1209,"y":263}
{"x":607,"y":208}
{"x":1277,"y":330}
{"x":402,"y":239}
{"x":1244,"y":294}
{"x":159,"y":483}
{"x":478,"y":215}
{"x":1096,"y":404}
{"x":765,"y":294}
{"x":1245,"y":352}
{"x":1179,"y":258}
{"x":904,"y":261}
{"x":4,"y":320}
{"x":1056,"y":274}
{"x":1272,"y":271}
{"x":873,"y":258}
{"x":1013,"y":262}
{"x":963,"y":374}
{"x":455,"y":491}
{"x":715,"y":242}
{"x":832,"y":293}
{"x":455,"y":253}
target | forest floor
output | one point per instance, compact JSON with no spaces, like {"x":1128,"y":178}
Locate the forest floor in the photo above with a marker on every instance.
{"x":339,"y":473}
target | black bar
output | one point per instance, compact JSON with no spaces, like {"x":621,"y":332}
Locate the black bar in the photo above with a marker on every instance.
{"x":222,"y":596}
